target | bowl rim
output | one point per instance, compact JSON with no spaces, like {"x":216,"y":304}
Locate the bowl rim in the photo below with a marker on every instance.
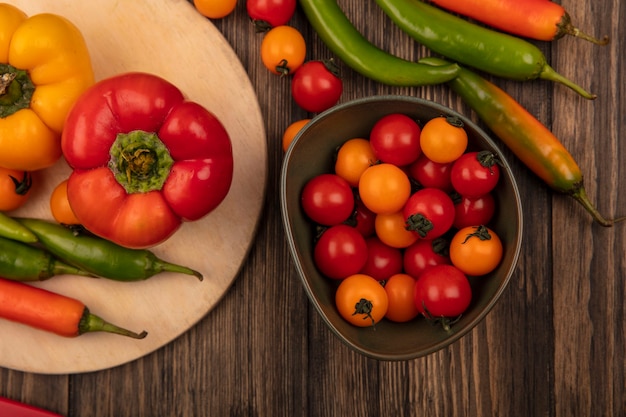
{"x":302,"y":274}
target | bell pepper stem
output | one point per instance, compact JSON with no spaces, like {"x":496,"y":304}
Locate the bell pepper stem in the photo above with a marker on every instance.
{"x":6,"y":80}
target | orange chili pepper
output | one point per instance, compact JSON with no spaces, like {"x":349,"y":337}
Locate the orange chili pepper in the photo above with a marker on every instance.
{"x":535,"y":19}
{"x":531,"y":141}
{"x":45,"y":310}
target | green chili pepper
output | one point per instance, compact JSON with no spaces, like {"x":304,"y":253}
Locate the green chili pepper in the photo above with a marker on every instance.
{"x":476,"y":46}
{"x":99,"y":256}
{"x":343,"y":39}
{"x":12,"y":229}
{"x":22,"y":262}
{"x":531,"y":141}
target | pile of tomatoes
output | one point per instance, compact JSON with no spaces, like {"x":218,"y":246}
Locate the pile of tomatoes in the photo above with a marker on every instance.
{"x":404,"y":221}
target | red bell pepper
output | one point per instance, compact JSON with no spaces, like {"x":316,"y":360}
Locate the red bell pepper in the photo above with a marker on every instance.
{"x":144,"y":159}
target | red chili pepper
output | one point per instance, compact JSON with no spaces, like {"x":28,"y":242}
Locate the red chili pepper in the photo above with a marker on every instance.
{"x":45,"y":310}
{"x":536,"y":19}
{"x":144,"y":159}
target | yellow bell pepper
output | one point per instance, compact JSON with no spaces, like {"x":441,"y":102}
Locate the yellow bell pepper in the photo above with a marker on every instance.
{"x":44,"y":67}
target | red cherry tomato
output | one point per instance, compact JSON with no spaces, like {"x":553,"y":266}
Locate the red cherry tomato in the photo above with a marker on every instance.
{"x":474,"y":211}
{"x":383,"y":261}
{"x":341,"y":251}
{"x":429,"y":212}
{"x":475,"y":173}
{"x":431,"y":174}
{"x":424,"y":254}
{"x":364,"y":219}
{"x":395,"y":139}
{"x":442,"y":291}
{"x":327,"y":199}
{"x":400,"y":289}
{"x":266,"y":14}
{"x":316,"y":86}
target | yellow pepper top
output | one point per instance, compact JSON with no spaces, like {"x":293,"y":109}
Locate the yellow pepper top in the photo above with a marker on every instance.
{"x":44,"y":67}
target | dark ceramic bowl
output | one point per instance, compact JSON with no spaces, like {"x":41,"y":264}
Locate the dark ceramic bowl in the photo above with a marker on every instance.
{"x":311,"y":153}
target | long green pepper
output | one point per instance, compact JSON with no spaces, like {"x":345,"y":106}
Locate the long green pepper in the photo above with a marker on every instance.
{"x":99,"y":256}
{"x":459,"y":40}
{"x":23,"y":262}
{"x":342,"y":38}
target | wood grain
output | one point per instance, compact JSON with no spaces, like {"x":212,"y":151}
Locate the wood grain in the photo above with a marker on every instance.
{"x":554,"y":345}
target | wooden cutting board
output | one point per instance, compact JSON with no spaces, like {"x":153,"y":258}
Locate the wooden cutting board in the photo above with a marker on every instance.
{"x":168,"y":38}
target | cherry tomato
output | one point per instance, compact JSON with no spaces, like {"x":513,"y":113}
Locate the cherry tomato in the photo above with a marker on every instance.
{"x":429,"y":212}
{"x":424,"y":254}
{"x":470,"y":211}
{"x":476,"y":250}
{"x":353,"y":158}
{"x":215,"y":9}
{"x":292,"y":131}
{"x":400,"y":289}
{"x":327,"y":199}
{"x":361,"y":300}
{"x":15,"y":188}
{"x":475,"y":173}
{"x":443,"y":139}
{"x":266,"y":14}
{"x":340,"y":252}
{"x":383,"y":260}
{"x":364,"y":219}
{"x":391,"y":229}
{"x":283,"y":50}
{"x":316,"y":86}
{"x":395,"y":139}
{"x":442,"y":291}
{"x":431,"y":174}
{"x":60,"y":205}
{"x":384,"y":188}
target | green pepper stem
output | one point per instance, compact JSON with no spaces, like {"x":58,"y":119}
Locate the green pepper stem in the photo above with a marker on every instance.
{"x":92,"y":323}
{"x":580,"y":195}
{"x":549,"y":73}
{"x":164,"y":266}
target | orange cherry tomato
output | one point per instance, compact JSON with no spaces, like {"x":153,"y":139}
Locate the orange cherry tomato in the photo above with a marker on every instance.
{"x":476,"y":250}
{"x":215,"y":9}
{"x":15,"y":188}
{"x":60,"y":205}
{"x":291,"y":132}
{"x":353,"y":158}
{"x":384,"y":188}
{"x":391,"y":230}
{"x":443,"y":139}
{"x":400,"y":289}
{"x":283,"y":50}
{"x":361,"y":300}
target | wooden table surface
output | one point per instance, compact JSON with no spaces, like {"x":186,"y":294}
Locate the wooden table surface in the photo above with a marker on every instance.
{"x":554,"y":345}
